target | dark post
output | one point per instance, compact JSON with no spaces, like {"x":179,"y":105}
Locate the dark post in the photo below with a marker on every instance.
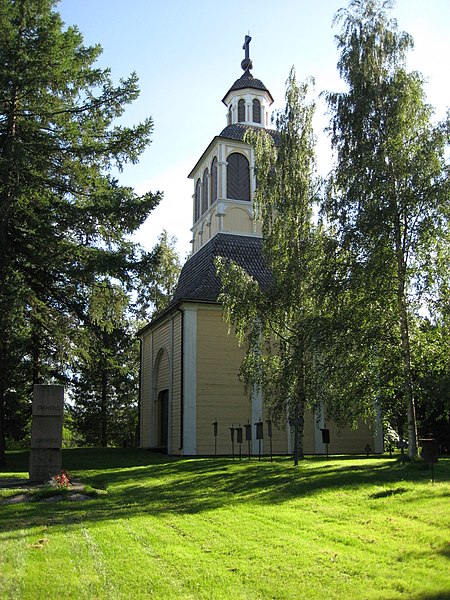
{"x":232,"y":440}
{"x":215,"y":429}
{"x":269,"y":433}
{"x":259,"y":436}
{"x":248,"y":437}
{"x":239,"y":440}
{"x":325,"y":438}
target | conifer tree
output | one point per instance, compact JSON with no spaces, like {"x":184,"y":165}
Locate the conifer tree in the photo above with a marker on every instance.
{"x":64,"y":219}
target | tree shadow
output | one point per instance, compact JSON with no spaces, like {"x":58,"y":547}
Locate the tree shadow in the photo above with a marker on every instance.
{"x":142,"y":483}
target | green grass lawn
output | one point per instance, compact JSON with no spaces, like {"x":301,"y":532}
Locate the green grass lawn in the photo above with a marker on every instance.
{"x":216,"y":528}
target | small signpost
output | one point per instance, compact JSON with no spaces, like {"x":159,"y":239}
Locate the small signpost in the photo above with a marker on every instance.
{"x":248,"y":438}
{"x":239,"y":440}
{"x":269,"y":433}
{"x":232,"y":439}
{"x":325,"y":438}
{"x":430,"y":453}
{"x":216,"y":430}
{"x":259,"y":436}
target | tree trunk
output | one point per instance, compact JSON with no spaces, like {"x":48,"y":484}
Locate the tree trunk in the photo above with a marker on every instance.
{"x":405,"y":342}
{"x":2,"y":418}
{"x":104,"y":410}
{"x":8,"y":177}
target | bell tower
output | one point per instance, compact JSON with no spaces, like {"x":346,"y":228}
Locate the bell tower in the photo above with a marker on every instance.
{"x":224,"y":178}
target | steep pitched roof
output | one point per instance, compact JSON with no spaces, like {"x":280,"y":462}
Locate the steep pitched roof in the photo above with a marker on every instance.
{"x":198,"y":279}
{"x":236,"y":131}
{"x":248,"y":81}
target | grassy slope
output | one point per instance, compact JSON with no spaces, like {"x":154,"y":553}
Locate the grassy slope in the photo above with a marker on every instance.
{"x":204,"y":528}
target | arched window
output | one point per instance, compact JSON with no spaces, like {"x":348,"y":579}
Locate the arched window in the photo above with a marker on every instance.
{"x":241,"y":110}
{"x":214,"y":180}
{"x":205,"y":191}
{"x":256,"y":111}
{"x":198,"y":200}
{"x":238,"y":177}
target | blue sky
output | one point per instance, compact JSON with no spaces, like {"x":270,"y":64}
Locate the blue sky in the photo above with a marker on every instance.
{"x":187,"y":53}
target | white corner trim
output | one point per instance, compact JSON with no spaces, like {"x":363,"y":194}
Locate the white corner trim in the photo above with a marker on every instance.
{"x":190,"y":380}
{"x":319,"y":423}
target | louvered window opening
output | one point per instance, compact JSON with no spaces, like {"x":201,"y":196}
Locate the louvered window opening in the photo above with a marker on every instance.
{"x":198,"y":199}
{"x":256,"y":111}
{"x":238,"y":177}
{"x":241,"y":111}
{"x":205,"y":191}
{"x":214,"y":180}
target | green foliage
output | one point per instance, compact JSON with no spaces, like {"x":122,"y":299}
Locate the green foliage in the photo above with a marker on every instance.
{"x":64,"y":219}
{"x":156,"y":287}
{"x":277,"y":325}
{"x":387,"y":202}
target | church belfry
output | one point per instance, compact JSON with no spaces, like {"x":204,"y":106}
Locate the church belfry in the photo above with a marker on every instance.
{"x":224,"y":179}
{"x":248,"y":99}
{"x":190,"y":393}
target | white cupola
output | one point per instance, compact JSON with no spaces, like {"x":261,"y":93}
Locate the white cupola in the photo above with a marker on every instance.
{"x":224,"y":176}
{"x":248,"y":99}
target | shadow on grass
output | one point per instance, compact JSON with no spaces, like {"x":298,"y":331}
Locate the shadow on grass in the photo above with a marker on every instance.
{"x":143,"y":483}
{"x":443,"y":595}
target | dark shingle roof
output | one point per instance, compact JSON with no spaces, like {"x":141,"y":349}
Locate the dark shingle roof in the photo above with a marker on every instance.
{"x":236,"y":131}
{"x":248,"y":81}
{"x":198,"y":279}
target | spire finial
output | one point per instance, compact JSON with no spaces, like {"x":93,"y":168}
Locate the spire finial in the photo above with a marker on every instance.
{"x":247,"y":64}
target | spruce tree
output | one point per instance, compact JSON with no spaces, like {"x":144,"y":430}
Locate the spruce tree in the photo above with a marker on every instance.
{"x":65,"y":220}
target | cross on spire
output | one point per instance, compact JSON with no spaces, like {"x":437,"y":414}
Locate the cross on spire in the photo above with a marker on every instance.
{"x":247,"y":64}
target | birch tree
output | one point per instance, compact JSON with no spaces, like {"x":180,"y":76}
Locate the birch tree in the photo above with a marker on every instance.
{"x":275,"y":324}
{"x":388,"y":197}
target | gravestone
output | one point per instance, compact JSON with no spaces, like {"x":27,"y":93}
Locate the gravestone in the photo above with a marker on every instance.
{"x":46,"y":432}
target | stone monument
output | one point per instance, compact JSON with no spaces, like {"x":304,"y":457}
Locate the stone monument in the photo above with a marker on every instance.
{"x":46,"y":432}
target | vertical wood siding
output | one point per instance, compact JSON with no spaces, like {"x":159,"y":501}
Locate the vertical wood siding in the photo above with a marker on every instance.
{"x":146,"y":387}
{"x":176,"y":386}
{"x":220,"y":394}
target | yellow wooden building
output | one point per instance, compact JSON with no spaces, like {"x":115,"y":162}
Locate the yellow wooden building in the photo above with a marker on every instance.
{"x":190,"y":388}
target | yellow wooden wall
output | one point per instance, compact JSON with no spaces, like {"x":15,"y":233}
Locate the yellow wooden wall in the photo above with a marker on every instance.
{"x":349,"y":441}
{"x":161,"y":369}
{"x":220,"y":394}
{"x":146,"y":389}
